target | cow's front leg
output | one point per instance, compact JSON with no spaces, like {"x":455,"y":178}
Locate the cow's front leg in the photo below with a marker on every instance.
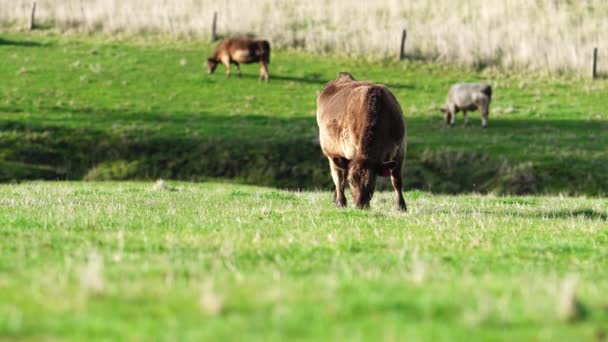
{"x":447,"y":115}
{"x":238,"y":69}
{"x":226,"y":62}
{"x":339,"y":177}
{"x":397,"y":181}
{"x":465,"y":117}
{"x":228,"y":70}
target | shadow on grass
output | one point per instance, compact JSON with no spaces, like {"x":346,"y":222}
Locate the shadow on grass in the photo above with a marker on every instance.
{"x":586,"y":213}
{"x":284,"y":152}
{"x":310,"y":79}
{"x":601,"y":76}
{"x":315,"y":78}
{"x":4,"y":41}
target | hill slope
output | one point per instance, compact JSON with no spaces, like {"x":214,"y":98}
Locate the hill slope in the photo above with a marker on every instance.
{"x":89,"y":108}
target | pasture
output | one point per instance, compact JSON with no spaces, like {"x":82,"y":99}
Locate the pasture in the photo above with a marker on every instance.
{"x":237,"y":255}
{"x":75,"y":108}
{"x":212,"y":261}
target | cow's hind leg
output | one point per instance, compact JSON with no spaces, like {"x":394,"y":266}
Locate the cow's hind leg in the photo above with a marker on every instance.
{"x":339,"y":177}
{"x":484,"y":117}
{"x":264,"y":71}
{"x":238,"y":69}
{"x":483,"y":106}
{"x":397,"y":181}
{"x":465,"y":117}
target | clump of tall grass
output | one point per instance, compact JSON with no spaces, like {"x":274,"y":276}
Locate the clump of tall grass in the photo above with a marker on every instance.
{"x":543,"y":35}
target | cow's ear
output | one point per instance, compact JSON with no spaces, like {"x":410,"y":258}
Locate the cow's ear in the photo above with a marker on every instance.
{"x":340,"y":162}
{"x":345,"y":76}
{"x":443,"y":110}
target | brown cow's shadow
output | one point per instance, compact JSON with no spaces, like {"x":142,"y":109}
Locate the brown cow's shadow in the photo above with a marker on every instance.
{"x":315,"y":78}
{"x":311,"y":78}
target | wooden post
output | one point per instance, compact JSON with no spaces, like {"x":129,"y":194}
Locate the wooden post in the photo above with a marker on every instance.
{"x":594,"y":71}
{"x":402,"y":49}
{"x":33,"y":16}
{"x":214,"y":27}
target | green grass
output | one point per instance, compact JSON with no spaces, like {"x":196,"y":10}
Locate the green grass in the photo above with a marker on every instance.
{"x":119,"y":261}
{"x":92,"y":108}
{"x":217,"y":261}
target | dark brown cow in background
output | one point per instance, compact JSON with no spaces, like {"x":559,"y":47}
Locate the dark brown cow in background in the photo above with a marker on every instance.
{"x":241,"y":50}
{"x":363,"y":134}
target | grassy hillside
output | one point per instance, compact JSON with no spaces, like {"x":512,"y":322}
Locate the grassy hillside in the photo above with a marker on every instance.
{"x":130,"y":261}
{"x":74,"y":108}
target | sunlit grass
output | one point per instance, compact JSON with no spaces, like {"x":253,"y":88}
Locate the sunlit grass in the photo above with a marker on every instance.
{"x":94,"y":108}
{"x":191,"y":261}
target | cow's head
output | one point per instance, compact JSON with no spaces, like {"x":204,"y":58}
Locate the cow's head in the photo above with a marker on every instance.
{"x":362,"y":176}
{"x":211,"y":65}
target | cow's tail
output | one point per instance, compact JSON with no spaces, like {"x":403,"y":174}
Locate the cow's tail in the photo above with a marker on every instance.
{"x":374,"y":104}
{"x":487,"y":90}
{"x":374,"y":97}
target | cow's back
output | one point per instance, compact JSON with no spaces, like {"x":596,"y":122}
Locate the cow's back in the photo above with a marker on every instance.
{"x":244,"y":50}
{"x":467,"y":94}
{"x":359,"y":120}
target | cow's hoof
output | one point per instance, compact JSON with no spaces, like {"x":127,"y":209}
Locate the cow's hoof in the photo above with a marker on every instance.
{"x":401,"y":207}
{"x":340,"y":205}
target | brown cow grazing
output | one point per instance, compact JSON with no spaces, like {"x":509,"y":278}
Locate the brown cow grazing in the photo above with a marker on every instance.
{"x":363,"y":134}
{"x":241,"y":50}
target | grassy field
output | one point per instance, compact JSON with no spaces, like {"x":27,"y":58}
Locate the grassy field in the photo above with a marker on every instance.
{"x":97,"y":109}
{"x":219,"y":261}
{"x":184,"y":261}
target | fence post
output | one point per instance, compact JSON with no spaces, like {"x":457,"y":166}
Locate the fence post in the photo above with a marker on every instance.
{"x":214,"y":27}
{"x":402,"y":49}
{"x":594,"y":70}
{"x":33,"y":16}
